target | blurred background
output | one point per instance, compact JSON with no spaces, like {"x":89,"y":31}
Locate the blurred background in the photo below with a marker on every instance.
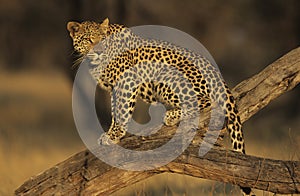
{"x":36,"y":75}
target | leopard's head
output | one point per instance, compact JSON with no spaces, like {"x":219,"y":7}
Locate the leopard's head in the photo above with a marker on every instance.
{"x":87,"y":34}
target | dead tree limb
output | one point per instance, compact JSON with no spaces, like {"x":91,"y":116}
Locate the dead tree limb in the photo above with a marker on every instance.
{"x":85,"y":174}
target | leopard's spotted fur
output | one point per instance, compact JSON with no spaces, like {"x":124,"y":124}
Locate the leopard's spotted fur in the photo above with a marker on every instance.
{"x":206,"y":83}
{"x":119,"y":58}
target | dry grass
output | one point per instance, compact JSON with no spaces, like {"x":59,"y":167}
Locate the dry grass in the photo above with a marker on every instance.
{"x":37,"y":131}
{"x":36,"y":126}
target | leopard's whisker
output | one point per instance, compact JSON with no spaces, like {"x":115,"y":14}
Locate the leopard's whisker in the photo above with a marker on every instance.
{"x":77,"y":61}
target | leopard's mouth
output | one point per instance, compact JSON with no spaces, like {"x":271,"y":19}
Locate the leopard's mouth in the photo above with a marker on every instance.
{"x":97,"y":58}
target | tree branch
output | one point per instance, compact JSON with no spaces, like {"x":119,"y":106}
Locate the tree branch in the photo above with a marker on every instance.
{"x":83,"y":173}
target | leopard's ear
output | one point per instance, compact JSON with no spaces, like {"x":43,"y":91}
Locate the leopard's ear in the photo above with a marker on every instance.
{"x":73,"y":27}
{"x":105,"y":22}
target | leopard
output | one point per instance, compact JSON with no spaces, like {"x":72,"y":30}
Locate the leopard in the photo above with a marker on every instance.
{"x":129,"y":66}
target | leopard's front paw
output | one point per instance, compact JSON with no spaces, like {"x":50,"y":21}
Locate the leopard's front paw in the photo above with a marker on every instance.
{"x":104,"y":139}
{"x":113,"y":136}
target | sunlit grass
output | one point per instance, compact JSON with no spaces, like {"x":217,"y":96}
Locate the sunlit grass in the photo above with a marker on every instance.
{"x":36,"y":126}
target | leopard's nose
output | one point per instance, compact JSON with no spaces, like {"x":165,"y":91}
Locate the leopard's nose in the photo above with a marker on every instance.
{"x":98,"y":46}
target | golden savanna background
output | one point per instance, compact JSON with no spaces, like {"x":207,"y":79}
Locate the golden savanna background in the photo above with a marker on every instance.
{"x":36,"y":75}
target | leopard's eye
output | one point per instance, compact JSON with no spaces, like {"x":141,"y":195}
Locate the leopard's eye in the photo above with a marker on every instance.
{"x":94,"y":40}
{"x":91,"y":40}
